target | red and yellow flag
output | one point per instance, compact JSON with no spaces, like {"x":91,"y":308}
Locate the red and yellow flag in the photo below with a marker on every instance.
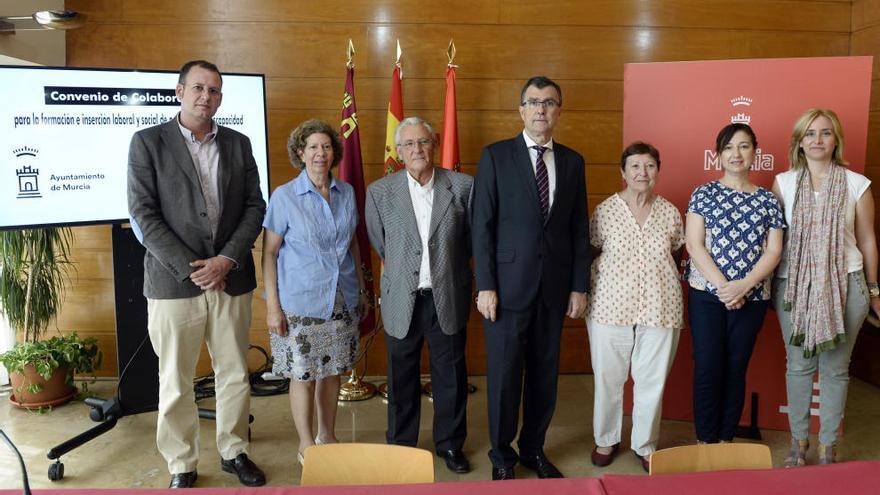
{"x":351,"y":170}
{"x":395,"y":115}
{"x":449,"y":157}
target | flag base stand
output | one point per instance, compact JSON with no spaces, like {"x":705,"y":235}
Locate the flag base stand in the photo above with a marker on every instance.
{"x":356,"y":389}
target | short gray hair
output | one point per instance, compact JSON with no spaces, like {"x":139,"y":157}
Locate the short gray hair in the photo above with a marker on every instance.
{"x":412,"y":121}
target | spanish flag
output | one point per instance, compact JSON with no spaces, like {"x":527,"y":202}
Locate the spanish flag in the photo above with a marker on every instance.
{"x":395,"y":115}
{"x":449,"y":157}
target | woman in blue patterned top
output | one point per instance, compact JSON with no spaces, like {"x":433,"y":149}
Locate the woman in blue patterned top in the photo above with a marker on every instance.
{"x":734,"y":237}
{"x":314,"y":284}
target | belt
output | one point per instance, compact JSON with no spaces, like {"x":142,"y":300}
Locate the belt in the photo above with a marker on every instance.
{"x":424,"y":292}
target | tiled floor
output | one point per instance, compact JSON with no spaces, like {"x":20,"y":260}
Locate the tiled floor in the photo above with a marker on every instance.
{"x":127,"y":456}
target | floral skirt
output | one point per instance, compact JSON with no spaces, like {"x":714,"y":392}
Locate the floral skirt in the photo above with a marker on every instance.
{"x":314,"y":348}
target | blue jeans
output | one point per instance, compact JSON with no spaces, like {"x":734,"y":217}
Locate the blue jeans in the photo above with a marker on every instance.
{"x":723,"y":341}
{"x":833,"y":365}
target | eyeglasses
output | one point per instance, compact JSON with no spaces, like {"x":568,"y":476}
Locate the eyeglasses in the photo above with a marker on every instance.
{"x":533,"y":104}
{"x":408,"y":145}
{"x":199,"y":89}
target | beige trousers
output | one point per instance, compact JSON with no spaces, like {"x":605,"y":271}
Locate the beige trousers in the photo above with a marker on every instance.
{"x":177,"y":328}
{"x":617,"y":351}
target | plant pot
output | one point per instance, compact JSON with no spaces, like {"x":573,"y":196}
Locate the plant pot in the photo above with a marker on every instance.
{"x":55,"y":391}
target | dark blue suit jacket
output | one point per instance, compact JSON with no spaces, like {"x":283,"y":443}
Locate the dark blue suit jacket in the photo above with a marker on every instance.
{"x":516,"y":252}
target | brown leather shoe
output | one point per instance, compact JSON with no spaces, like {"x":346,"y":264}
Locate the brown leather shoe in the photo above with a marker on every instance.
{"x":645,"y":460}
{"x":602,"y":460}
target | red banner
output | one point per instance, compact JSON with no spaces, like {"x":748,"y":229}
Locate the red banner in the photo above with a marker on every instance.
{"x":679,"y":107}
{"x":449,"y":157}
{"x":351,"y":170}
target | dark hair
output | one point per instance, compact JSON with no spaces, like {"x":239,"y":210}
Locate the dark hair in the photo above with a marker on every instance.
{"x":727,"y":132}
{"x":540,"y":82}
{"x":204,"y":64}
{"x":639,"y":148}
{"x":298,"y":137}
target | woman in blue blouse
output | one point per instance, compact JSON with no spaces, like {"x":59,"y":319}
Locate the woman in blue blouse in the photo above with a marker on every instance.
{"x":734,"y":238}
{"x":313,"y":280}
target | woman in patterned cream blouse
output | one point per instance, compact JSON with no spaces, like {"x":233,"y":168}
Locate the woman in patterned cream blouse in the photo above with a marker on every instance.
{"x":734,"y":237}
{"x":827,"y":280}
{"x":635,"y":314}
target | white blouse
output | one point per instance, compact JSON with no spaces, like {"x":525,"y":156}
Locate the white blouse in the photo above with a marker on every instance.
{"x":856,"y":185}
{"x":635,"y":280}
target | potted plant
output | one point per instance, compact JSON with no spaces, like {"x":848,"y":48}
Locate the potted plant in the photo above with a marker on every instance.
{"x":34,"y":268}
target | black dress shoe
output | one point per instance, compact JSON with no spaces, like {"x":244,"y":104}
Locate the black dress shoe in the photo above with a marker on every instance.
{"x":455,"y":460}
{"x":503,"y":474}
{"x":248,"y":472}
{"x":541,"y":465}
{"x":183,"y":480}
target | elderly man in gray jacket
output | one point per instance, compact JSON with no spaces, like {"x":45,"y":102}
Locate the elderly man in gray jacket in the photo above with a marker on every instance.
{"x":418,"y":223}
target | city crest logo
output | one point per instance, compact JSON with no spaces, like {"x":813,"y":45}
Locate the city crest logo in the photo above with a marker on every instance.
{"x":763,"y":161}
{"x":28,"y":174}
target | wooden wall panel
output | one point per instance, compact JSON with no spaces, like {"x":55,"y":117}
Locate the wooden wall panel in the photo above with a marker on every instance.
{"x":866,"y":30}
{"x":866,"y":41}
{"x":720,"y":14}
{"x":300,"y":47}
{"x":865,"y":13}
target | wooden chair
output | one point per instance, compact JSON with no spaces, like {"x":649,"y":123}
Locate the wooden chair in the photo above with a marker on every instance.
{"x":366,"y":464}
{"x":711,"y":457}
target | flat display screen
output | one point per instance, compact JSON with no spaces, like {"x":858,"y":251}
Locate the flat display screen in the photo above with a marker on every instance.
{"x":65,"y":133}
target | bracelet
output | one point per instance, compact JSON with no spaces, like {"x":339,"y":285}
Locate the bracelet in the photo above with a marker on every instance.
{"x":873,"y":289}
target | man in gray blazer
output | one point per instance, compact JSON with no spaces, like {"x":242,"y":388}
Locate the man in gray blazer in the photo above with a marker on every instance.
{"x":194,"y":194}
{"x":418,"y":223}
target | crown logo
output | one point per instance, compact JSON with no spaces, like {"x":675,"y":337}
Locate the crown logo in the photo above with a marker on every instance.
{"x":741,"y":100}
{"x":25,"y":150}
{"x":741,"y":118}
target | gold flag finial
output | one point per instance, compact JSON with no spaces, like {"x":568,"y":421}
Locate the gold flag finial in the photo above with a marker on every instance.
{"x":349,"y":53}
{"x":450,"y":52}
{"x":398,"y":52}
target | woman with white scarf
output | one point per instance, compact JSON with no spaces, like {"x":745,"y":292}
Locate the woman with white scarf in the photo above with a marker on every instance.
{"x":827,"y":280}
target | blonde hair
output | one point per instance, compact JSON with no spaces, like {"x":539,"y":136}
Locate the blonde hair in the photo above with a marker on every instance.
{"x":796,"y":154}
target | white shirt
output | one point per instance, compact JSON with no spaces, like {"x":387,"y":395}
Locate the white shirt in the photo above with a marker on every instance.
{"x":423,"y":202}
{"x":206,"y":158}
{"x":856,"y":185}
{"x":549,"y":162}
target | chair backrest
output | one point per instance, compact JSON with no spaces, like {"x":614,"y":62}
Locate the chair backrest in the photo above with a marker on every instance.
{"x":711,"y":457}
{"x":366,"y":464}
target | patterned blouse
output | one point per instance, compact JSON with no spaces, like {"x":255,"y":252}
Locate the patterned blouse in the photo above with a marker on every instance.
{"x":737,"y":224}
{"x":635,"y":280}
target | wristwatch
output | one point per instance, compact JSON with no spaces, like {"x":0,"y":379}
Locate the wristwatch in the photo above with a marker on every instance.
{"x":873,"y":289}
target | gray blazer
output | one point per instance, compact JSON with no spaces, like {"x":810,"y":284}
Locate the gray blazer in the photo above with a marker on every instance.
{"x":165,"y":201}
{"x":394,"y":234}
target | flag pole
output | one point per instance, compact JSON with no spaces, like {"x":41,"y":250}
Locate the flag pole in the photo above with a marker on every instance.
{"x":449,"y":154}
{"x":355,"y":388}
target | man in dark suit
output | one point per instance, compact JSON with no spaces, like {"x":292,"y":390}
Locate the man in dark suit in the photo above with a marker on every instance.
{"x":531,"y":257}
{"x":194,"y":194}
{"x":418,"y":223}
